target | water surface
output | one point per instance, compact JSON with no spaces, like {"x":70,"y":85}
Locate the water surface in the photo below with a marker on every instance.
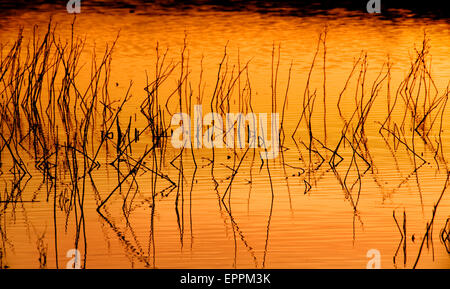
{"x":309,"y":219}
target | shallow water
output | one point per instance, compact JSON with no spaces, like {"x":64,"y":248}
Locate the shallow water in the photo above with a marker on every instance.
{"x":254,"y":226}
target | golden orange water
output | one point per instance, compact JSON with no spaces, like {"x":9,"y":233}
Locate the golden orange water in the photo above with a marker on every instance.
{"x":253,"y":228}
